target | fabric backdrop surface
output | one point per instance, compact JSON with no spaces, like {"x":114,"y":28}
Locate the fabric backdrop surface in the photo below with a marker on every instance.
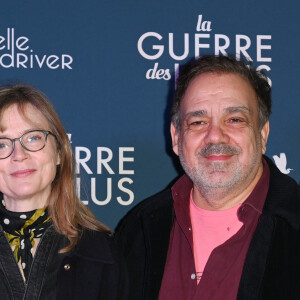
{"x":109,"y":68}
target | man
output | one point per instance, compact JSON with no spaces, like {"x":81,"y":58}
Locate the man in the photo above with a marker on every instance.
{"x":229,"y":227}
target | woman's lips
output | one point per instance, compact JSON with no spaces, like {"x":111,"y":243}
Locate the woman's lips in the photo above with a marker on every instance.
{"x":23,"y":173}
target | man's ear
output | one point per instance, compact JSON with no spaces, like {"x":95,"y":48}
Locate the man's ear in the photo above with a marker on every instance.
{"x":264,"y":136}
{"x":174,"y":135}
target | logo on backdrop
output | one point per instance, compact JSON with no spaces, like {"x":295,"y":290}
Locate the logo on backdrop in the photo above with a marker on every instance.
{"x":16,"y":52}
{"x":114,"y":184}
{"x":281,"y":163}
{"x":152,"y":46}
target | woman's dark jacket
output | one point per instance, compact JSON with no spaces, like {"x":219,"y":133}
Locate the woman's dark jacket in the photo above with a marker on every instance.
{"x":96,"y":270}
{"x":272,"y":267}
{"x":91,"y":271}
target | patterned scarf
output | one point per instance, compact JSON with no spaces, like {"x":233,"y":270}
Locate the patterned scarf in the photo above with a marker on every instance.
{"x":21,"y":229}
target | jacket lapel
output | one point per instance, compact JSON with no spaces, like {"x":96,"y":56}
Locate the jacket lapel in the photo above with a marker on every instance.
{"x":281,"y":202}
{"x":157,"y":237}
{"x":254,"y":267}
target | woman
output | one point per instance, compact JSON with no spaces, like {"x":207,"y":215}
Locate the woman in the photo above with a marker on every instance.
{"x":51,"y":246}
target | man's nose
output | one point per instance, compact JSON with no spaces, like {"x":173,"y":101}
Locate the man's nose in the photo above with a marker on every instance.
{"x":216,"y":134}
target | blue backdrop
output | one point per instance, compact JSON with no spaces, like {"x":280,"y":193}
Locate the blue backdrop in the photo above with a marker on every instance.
{"x":109,"y":69}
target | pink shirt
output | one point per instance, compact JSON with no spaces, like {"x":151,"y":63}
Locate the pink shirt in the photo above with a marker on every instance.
{"x":224,"y":266}
{"x":211,"y":229}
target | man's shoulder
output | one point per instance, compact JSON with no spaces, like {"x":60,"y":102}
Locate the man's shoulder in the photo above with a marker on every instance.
{"x":283,"y":196}
{"x":158,"y":207}
{"x":162,"y":199}
{"x":280,"y":180}
{"x":157,"y":202}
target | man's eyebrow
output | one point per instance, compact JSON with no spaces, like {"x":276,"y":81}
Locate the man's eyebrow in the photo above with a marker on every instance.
{"x":233,"y":109}
{"x":196,"y":113}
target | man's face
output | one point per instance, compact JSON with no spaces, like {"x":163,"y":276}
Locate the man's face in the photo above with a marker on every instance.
{"x":219,"y":143}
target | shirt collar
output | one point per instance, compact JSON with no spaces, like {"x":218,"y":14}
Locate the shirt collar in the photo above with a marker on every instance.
{"x":257,"y":197}
{"x":181,"y":195}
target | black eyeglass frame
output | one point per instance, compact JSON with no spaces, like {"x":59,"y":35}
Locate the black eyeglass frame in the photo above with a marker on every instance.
{"x":46,"y":133}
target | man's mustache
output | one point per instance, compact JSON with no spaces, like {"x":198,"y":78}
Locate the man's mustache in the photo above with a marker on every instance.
{"x":221,"y":148}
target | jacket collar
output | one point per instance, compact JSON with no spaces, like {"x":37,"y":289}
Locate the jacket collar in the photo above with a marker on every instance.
{"x":283,"y":197}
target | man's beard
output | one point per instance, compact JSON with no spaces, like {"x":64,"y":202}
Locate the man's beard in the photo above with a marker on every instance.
{"x":217,"y":176}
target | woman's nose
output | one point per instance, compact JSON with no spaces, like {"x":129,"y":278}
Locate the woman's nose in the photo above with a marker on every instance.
{"x":19,"y":153}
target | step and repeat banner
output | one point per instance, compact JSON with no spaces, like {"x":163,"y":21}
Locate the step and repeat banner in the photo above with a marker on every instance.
{"x":109,"y":68}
